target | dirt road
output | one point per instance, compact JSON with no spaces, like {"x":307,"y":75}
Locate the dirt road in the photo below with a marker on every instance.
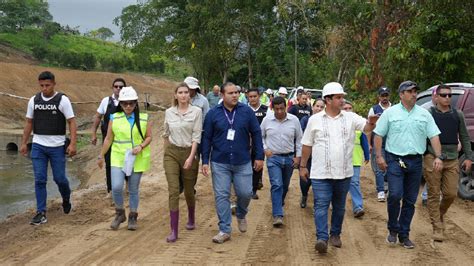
{"x":83,"y":237}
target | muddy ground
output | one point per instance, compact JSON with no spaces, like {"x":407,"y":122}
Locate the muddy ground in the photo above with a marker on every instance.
{"x":83,"y":237}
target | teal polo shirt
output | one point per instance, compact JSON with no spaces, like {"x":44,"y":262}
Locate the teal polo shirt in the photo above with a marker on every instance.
{"x":406,"y":132}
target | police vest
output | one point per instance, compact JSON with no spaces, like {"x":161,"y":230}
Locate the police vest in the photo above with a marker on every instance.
{"x":47,"y":119}
{"x":378,"y":110}
{"x":126,"y":138}
{"x":261,"y":112}
{"x":448,"y":124}
{"x":111,"y":108}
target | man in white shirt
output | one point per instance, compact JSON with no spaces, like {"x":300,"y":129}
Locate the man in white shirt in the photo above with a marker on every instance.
{"x":329,"y":137}
{"x":107,"y":106}
{"x":46,"y":116}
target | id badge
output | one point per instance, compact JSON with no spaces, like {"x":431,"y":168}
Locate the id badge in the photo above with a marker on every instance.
{"x":230,"y":134}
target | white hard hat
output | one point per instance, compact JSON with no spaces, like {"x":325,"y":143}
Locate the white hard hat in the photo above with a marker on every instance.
{"x":193,"y":83}
{"x":128,"y":94}
{"x":300,"y":88}
{"x":332,"y":88}
{"x":269,"y":91}
{"x":282,"y":90}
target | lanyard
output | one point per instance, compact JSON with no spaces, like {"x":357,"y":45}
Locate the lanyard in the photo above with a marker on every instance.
{"x":231,"y":121}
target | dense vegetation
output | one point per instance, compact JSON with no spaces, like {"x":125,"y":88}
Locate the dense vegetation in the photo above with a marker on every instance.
{"x":269,"y":43}
{"x":362,"y":44}
{"x":27,"y":25}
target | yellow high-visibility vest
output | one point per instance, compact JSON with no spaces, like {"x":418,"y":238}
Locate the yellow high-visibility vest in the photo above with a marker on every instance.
{"x":126,"y":138}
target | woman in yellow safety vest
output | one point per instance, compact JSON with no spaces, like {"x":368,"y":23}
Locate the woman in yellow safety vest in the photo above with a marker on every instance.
{"x":360,"y":156}
{"x":129,"y":134}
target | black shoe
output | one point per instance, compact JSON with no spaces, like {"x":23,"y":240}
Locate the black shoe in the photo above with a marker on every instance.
{"x":303,"y":202}
{"x":40,"y":218}
{"x":406,"y":243}
{"x":424,"y":202}
{"x":254,"y":196}
{"x":392,"y":238}
{"x":67,"y":206}
{"x":359,"y":213}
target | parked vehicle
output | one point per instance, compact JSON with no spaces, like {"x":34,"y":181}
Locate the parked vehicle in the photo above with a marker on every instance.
{"x":463,"y":99}
{"x":315,"y":93}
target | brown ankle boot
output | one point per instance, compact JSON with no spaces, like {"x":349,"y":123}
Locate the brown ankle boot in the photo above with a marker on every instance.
{"x":119,"y":218}
{"x":132,"y":221}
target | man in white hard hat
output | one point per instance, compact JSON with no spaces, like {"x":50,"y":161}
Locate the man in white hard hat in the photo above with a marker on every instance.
{"x":197,"y":99}
{"x":329,"y":137}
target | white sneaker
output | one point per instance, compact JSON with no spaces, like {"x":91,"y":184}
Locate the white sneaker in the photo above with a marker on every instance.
{"x":381,"y":196}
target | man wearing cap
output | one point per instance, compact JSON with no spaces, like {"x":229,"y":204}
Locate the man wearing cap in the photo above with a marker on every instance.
{"x":213,"y":96}
{"x":378,"y":109}
{"x":329,"y":137}
{"x":197,"y":99}
{"x":453,"y":127}
{"x":406,"y":127}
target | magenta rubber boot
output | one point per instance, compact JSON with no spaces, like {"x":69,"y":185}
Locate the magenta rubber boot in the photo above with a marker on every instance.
{"x":174,"y":218}
{"x":191,"y":219}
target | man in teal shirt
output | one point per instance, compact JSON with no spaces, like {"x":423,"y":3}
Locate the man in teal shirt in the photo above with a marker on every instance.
{"x":406,"y":127}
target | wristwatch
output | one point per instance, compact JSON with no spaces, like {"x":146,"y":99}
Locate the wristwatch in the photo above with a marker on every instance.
{"x":442,"y":157}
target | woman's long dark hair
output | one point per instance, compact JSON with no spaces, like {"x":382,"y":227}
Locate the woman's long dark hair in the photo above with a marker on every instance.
{"x":136,"y":111}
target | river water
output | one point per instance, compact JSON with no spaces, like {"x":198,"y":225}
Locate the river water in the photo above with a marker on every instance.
{"x":17,"y":183}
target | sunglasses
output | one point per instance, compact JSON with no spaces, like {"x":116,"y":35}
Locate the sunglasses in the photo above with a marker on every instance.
{"x":129,"y":103}
{"x":118,"y":86}
{"x":446,"y":95}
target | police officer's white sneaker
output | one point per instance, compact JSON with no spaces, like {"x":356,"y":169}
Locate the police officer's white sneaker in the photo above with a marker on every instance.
{"x":381,"y":196}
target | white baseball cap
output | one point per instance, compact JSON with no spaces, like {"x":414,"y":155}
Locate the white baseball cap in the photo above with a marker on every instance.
{"x":282,"y":90}
{"x":127,"y":94}
{"x":332,"y":88}
{"x":193,"y":83}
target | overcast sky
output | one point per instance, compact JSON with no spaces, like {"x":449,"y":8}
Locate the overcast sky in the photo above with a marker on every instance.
{"x":88,"y":14}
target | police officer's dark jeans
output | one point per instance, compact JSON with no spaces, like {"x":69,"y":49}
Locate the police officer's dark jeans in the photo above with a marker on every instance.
{"x":40,"y":156}
{"x":256,"y":176}
{"x":305,"y":185}
{"x":107,"y":171}
{"x":379,"y":174}
{"x":403,"y":186}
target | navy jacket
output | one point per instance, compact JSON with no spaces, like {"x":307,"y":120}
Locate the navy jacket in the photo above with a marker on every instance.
{"x":214,"y":143}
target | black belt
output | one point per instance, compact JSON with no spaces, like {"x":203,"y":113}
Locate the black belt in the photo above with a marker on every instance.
{"x":409,"y":156}
{"x":285,"y":154}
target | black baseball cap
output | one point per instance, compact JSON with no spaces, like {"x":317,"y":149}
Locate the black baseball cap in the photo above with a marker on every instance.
{"x":384,"y":90}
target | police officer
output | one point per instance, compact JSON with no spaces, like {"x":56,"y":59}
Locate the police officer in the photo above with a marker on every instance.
{"x":47,"y":114}
{"x":107,"y":106}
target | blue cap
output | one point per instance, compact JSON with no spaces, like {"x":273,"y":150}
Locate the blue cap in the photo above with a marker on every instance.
{"x":407,"y":85}
{"x":384,"y":90}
